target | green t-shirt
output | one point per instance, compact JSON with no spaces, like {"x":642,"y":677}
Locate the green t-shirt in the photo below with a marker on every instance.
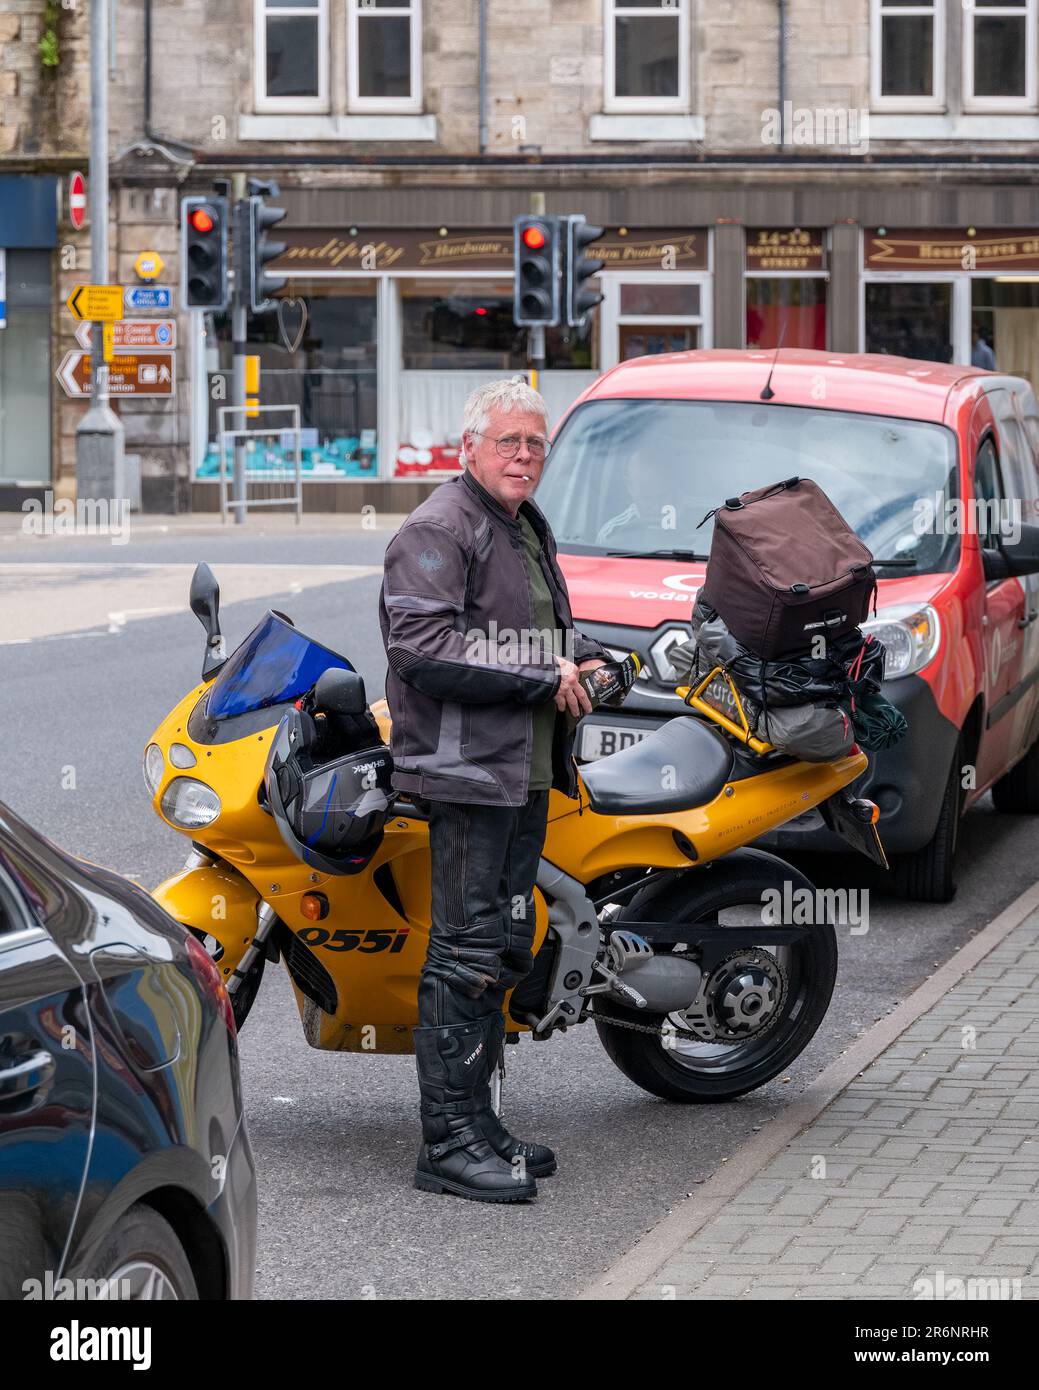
{"x":544,"y":618}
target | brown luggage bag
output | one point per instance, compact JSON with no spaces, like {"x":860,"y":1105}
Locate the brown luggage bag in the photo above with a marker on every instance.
{"x":785,"y":567}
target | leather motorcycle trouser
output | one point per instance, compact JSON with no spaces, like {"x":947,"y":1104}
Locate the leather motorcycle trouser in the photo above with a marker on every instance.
{"x":484,"y":861}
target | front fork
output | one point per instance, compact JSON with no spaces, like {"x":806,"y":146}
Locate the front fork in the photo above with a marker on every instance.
{"x":266,"y":917}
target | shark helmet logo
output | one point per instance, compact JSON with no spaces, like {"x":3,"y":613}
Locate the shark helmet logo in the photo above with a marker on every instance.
{"x":431,"y":560}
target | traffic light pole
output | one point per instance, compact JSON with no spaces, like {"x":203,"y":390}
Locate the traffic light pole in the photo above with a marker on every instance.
{"x":239,"y":331}
{"x":536,"y":335}
{"x":100,"y":467}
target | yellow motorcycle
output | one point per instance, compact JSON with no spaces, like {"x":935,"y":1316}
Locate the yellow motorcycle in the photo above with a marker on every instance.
{"x":654,"y":919}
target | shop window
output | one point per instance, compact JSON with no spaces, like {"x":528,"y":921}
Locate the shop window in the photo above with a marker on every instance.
{"x":317,"y":351}
{"x":910,"y":319}
{"x":1005,"y":317}
{"x":999,"y":41}
{"x":907,"y":54}
{"x":384,"y":52}
{"x":458,"y":335}
{"x":291,"y":46}
{"x":786,"y":309}
{"x":25,"y":369}
{"x":646,"y":55}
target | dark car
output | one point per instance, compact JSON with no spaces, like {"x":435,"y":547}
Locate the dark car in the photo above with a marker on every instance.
{"x":125,"y":1165}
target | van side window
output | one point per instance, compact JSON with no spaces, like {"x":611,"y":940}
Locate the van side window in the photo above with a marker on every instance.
{"x":988,"y":489}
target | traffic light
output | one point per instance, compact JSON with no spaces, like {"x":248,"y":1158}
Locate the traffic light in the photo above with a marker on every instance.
{"x":203,"y":253}
{"x":261,"y":249}
{"x":536,"y":294}
{"x":580,"y":296}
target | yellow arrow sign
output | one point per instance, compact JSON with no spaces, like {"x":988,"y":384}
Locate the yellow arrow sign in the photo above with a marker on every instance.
{"x":96,"y":303}
{"x":149,"y":265}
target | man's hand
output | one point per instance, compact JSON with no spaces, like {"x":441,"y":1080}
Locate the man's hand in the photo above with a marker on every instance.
{"x":571,"y":696}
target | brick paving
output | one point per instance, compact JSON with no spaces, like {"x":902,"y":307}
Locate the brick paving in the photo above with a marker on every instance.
{"x":925,"y":1168}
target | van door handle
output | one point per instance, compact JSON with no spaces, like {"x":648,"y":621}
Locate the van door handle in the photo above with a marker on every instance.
{"x":1028,"y":619}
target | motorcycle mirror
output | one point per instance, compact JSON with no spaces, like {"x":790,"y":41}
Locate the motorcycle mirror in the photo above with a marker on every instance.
{"x":340,"y":692}
{"x":205,"y":604}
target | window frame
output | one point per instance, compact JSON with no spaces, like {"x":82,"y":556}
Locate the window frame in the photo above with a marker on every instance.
{"x":612,"y":103}
{"x":879,"y":9}
{"x":263,"y":103}
{"x":1028,"y":12}
{"x":355,"y":103}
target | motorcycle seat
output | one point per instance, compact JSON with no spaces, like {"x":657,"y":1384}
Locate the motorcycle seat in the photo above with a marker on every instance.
{"x":633,"y":781}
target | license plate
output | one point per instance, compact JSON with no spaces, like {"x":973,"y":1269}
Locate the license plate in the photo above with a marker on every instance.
{"x":600,"y":740}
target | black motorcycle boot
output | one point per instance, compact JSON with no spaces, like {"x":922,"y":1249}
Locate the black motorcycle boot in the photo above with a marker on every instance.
{"x":538,"y":1159}
{"x":455,"y":1155}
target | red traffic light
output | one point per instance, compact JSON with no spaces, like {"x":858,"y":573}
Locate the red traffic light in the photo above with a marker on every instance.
{"x":201,"y":220}
{"x":533,"y":238}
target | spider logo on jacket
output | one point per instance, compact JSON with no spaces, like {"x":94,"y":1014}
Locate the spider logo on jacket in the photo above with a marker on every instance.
{"x":431,"y":560}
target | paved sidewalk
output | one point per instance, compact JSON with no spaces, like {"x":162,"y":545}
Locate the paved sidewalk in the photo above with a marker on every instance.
{"x":922,"y":1171}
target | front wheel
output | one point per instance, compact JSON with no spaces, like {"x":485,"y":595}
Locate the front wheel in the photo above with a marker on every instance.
{"x":733,"y":891}
{"x":244,"y":996}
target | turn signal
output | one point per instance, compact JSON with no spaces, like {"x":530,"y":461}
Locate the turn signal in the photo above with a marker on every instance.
{"x":314,"y":906}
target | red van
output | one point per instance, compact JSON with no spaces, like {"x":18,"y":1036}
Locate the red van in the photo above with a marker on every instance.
{"x":937,"y":469}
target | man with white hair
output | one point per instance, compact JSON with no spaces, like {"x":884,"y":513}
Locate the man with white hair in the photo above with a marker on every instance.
{"x":484,"y":692}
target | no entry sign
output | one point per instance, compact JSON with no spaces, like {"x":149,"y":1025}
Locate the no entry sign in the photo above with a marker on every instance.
{"x":77,"y":200}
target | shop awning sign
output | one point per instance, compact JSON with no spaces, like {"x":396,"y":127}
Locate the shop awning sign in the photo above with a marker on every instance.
{"x":134,"y":333}
{"x":129,"y":374}
{"x":374,"y":250}
{"x":787,"y":248}
{"x":951,"y":250}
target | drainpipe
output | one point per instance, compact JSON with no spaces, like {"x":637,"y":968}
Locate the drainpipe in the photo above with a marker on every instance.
{"x":483,"y":76}
{"x":782,"y":73}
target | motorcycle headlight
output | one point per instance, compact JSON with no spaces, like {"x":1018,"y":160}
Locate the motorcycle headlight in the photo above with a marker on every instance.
{"x":190,"y":804}
{"x":910,"y":636}
{"x":154,"y":767}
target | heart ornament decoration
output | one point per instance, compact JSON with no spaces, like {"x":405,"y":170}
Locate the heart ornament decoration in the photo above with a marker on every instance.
{"x":286,"y":309}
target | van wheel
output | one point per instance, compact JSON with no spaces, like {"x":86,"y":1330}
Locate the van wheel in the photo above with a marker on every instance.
{"x":1018,"y":790}
{"x":928,"y":875}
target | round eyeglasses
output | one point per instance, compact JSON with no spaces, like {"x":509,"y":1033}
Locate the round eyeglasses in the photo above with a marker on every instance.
{"x":507,"y":446}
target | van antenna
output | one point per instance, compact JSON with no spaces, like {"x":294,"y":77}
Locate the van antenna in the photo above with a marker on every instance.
{"x":767,"y":393}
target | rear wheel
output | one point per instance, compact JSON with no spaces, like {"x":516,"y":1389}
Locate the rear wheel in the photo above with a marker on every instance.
{"x":1018,"y":791}
{"x":688,"y":1070}
{"x":928,"y":875}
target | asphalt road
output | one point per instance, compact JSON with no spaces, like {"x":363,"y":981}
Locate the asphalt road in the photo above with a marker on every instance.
{"x":335,"y":1136}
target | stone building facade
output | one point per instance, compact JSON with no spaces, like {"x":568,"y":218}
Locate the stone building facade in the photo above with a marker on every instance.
{"x":830,"y":170}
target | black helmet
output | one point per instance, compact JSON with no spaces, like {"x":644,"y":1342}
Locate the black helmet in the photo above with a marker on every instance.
{"x":330,"y":800}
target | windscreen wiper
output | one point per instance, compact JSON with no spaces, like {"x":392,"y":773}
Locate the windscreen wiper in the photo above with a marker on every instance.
{"x":657,"y":555}
{"x":901,"y":563}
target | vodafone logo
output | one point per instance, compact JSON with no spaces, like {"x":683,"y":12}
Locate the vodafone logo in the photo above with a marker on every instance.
{"x":77,"y":200}
{"x":688,"y":583}
{"x":678,"y":588}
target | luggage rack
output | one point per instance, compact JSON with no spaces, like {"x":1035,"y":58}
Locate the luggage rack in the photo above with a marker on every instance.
{"x":692,"y":695}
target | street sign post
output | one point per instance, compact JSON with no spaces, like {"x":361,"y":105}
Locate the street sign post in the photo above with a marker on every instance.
{"x":148,"y":297}
{"x":148,"y":334}
{"x":129,"y":374}
{"x":3,"y":287}
{"x":97,"y":303}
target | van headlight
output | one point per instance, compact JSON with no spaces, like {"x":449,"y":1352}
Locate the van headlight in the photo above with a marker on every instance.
{"x":910,"y":636}
{"x":190,"y":804}
{"x":154,"y":767}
